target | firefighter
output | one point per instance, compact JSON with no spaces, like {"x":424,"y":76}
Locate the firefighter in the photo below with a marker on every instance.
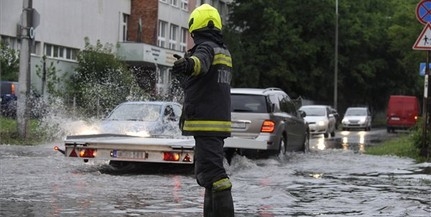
{"x":206,"y":114}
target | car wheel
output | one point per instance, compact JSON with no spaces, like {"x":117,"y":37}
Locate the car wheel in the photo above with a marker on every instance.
{"x":282,"y":148}
{"x":306,"y":143}
{"x":120,"y":165}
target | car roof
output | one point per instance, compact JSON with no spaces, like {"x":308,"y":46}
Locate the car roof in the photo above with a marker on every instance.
{"x":357,"y":107}
{"x":151,"y":102}
{"x":314,"y":106}
{"x":256,"y":91}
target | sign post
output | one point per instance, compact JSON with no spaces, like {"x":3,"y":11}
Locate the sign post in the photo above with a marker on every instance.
{"x":423,"y":14}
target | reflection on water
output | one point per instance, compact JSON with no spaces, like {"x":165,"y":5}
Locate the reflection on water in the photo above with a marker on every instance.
{"x":348,"y":140}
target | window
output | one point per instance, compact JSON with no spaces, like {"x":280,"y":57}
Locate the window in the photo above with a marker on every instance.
{"x":71,"y":53}
{"x":48,"y":50}
{"x":174,"y":2}
{"x":185,"y":5}
{"x":173,"y":36}
{"x":161,"y":35}
{"x":55,"y":53}
{"x":60,"y":52}
{"x":183,"y":40}
{"x":124,"y":24}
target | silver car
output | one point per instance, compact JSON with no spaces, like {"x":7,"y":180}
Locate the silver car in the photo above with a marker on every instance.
{"x":144,"y":119}
{"x":320,"y":119}
{"x":357,"y":118}
{"x":268,"y":115}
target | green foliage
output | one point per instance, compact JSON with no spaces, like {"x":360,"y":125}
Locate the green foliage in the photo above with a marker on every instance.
{"x":49,"y":76}
{"x":401,"y":146}
{"x":101,"y":81}
{"x":421,"y":142}
{"x":9,"y":62}
{"x":9,"y":133}
{"x":291,"y":44}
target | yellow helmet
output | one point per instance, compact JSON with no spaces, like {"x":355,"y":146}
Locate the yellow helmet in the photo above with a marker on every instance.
{"x":204,"y":16}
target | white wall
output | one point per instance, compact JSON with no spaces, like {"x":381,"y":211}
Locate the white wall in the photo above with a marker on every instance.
{"x":67,"y":22}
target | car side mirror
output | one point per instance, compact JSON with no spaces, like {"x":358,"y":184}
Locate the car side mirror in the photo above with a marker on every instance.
{"x":272,"y":107}
{"x":302,"y":113}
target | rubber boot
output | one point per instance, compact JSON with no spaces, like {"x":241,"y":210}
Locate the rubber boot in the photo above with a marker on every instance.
{"x":208,"y":203}
{"x":222,"y":202}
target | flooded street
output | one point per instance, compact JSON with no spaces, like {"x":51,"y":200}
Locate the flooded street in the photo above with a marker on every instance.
{"x":37,"y":181}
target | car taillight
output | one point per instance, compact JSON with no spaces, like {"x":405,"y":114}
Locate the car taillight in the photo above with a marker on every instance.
{"x":171,"y":156}
{"x":87,"y":153}
{"x":268,"y":126}
{"x":12,"y":89}
{"x":174,"y":156}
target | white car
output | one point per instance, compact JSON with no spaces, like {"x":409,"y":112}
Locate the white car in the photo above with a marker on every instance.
{"x":320,"y":119}
{"x":144,"y":119}
{"x":357,"y":118}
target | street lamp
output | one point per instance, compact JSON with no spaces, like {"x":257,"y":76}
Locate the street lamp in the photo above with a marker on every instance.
{"x":336,"y":56}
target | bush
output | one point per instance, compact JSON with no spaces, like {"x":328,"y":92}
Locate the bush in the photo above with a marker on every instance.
{"x":421,"y":143}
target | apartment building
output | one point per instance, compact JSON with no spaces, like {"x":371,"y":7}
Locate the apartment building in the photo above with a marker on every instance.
{"x":148,"y":32}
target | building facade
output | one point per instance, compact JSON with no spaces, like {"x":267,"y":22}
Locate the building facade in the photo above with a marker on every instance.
{"x":148,"y":32}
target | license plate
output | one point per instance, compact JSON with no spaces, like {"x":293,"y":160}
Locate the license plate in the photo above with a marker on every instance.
{"x":238,"y":125}
{"x":395,"y":118}
{"x":129,"y":154}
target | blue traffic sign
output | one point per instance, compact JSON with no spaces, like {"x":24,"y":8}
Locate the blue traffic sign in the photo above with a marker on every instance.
{"x":423,"y":11}
{"x":422,"y":68}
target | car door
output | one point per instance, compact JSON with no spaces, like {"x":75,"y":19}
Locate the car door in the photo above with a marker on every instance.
{"x":295,"y":125}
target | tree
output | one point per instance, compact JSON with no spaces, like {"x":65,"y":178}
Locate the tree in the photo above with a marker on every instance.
{"x":290,"y":44}
{"x":101,"y":81}
{"x":9,"y":62}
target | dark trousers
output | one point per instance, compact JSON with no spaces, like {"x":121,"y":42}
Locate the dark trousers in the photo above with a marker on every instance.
{"x":209,"y":160}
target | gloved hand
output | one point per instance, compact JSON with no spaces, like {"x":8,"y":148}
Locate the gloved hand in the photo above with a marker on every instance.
{"x":183,"y":65}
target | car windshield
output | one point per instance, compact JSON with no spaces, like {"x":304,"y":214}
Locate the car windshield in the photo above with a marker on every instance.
{"x":136,"y":112}
{"x":248,"y":103}
{"x":314,"y":111}
{"x":356,"y":112}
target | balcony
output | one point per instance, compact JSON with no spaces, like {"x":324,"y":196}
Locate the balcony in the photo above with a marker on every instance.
{"x":133,"y":52}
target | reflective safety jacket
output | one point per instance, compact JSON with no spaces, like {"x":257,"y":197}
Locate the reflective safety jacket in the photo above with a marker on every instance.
{"x":207,"y":105}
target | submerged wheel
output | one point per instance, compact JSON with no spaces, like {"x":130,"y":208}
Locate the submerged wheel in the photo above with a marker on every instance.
{"x":282,"y":149}
{"x":120,"y":164}
{"x":306,"y":143}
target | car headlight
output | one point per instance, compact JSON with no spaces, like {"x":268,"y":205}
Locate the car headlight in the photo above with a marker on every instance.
{"x":321,"y":123}
{"x":138,"y":133}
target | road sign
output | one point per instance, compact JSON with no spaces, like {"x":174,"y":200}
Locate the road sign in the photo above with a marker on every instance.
{"x":424,"y":40}
{"x":423,"y":11}
{"x":422,"y":68}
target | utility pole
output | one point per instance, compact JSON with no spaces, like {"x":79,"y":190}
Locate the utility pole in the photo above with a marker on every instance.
{"x":336,"y":58}
{"x":26,"y":30}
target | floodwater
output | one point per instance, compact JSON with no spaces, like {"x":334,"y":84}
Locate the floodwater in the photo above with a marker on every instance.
{"x":37,"y":181}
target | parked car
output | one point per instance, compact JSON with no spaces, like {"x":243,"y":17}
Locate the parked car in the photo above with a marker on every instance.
{"x":357,"y":118}
{"x":268,"y":115}
{"x":8,"y":98}
{"x":320,"y":119}
{"x":144,"y":118}
{"x":402,"y":112}
{"x":336,"y":116}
